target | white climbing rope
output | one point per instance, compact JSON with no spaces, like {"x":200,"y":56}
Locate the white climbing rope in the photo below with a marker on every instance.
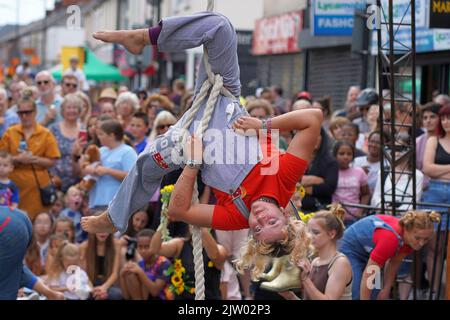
{"x":215,"y":83}
{"x":210,"y":6}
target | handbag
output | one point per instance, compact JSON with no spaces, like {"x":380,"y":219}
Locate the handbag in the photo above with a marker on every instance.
{"x":48,"y":193}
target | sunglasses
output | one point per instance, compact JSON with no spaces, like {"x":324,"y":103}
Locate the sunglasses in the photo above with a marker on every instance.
{"x":21,"y":113}
{"x":73,"y":85}
{"x":163,"y":126}
{"x":400,"y":148}
{"x":42,"y":82}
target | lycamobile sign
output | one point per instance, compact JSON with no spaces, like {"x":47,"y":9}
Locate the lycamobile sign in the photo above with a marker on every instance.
{"x":334,"y":17}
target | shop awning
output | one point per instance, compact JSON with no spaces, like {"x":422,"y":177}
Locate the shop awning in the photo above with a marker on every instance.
{"x":96,"y":70}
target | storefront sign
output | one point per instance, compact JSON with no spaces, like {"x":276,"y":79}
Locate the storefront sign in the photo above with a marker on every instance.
{"x":402,"y":11}
{"x":427,"y":40}
{"x":278,"y":34}
{"x":440,"y":14}
{"x":334,"y":17}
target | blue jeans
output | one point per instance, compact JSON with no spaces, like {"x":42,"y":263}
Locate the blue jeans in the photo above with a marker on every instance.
{"x":15,"y":236}
{"x":114,"y":293}
{"x":358,"y":264}
{"x":405,"y":267}
{"x":437,"y":192}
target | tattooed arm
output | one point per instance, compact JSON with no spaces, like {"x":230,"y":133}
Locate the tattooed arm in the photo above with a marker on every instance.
{"x":180,"y":207}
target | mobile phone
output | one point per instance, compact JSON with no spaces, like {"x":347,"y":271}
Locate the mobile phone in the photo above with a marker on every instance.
{"x":23,"y":145}
{"x":82,"y":135}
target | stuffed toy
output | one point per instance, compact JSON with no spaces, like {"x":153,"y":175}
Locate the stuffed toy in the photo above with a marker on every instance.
{"x":91,"y":156}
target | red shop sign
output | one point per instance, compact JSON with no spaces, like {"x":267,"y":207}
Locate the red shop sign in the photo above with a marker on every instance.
{"x":278,"y":34}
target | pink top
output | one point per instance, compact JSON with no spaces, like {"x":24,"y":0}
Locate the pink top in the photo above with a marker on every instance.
{"x":348,"y":189}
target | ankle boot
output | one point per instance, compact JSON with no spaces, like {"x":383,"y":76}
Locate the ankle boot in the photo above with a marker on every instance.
{"x":277,"y":264}
{"x":288,"y":279}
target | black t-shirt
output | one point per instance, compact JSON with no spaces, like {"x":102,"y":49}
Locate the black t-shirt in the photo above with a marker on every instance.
{"x":212,"y":274}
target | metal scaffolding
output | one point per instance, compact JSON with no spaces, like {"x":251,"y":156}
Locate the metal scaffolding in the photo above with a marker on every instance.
{"x":396,"y":63}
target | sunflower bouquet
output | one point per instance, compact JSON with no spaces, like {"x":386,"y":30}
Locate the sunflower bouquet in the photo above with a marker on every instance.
{"x":179,"y":280}
{"x":301,"y":191}
{"x":165,"y":199}
{"x":306,"y":216}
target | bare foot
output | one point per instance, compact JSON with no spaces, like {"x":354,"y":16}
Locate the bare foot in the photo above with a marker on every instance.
{"x":133,"y":40}
{"x":97,"y":224}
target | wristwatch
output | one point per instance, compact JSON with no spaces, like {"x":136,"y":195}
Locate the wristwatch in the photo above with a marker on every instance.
{"x":193,"y":164}
{"x":264,"y":125}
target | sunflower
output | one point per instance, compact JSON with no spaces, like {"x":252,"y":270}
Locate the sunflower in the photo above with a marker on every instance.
{"x":192,"y":291}
{"x":306,"y":217}
{"x":301,"y":191}
{"x":176,"y":280}
{"x":177,"y":264}
{"x":180,"y":289}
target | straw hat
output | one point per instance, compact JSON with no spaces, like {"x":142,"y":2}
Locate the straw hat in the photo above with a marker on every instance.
{"x":108,"y":93}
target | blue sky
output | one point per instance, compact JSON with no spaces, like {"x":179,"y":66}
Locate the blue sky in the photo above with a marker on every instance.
{"x":29,"y":10}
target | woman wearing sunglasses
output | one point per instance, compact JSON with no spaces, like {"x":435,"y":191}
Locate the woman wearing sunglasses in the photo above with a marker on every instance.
{"x":34,"y":150}
{"x":162,"y":123}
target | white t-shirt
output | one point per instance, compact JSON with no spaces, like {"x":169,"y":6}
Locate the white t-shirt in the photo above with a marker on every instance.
{"x":229,"y":275}
{"x":77,"y":283}
{"x":403,"y":190}
{"x":374,"y":167}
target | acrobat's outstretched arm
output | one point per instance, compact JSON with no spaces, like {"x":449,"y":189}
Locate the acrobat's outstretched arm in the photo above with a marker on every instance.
{"x":307,"y":122}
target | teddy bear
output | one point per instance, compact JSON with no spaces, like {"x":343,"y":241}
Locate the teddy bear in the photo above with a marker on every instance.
{"x":91,"y":156}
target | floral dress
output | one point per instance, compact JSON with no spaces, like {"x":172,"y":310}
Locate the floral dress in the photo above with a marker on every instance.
{"x":63,"y":168}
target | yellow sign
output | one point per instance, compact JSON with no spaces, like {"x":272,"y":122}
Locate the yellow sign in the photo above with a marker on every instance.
{"x":69,"y":52}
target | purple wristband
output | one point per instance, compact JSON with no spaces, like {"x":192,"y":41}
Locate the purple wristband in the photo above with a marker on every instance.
{"x":154,"y":32}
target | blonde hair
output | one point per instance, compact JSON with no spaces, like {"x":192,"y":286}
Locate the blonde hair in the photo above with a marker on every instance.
{"x":301,"y":104}
{"x":338,"y":122}
{"x":255,"y":254}
{"x":162,"y":116}
{"x":419,"y":220}
{"x":72,"y":99}
{"x":87,"y":101}
{"x":66,"y":249}
{"x":163,"y":101}
{"x":69,"y":191}
{"x":333,"y":219}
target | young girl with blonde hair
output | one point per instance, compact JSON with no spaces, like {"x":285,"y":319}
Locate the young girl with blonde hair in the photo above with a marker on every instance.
{"x":65,"y":266}
{"x":329,"y":275}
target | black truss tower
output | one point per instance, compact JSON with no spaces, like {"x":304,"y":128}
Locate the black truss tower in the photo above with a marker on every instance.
{"x":396,"y":65}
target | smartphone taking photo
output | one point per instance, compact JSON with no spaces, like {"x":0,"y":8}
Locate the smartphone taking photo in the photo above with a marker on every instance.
{"x":82,"y":135}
